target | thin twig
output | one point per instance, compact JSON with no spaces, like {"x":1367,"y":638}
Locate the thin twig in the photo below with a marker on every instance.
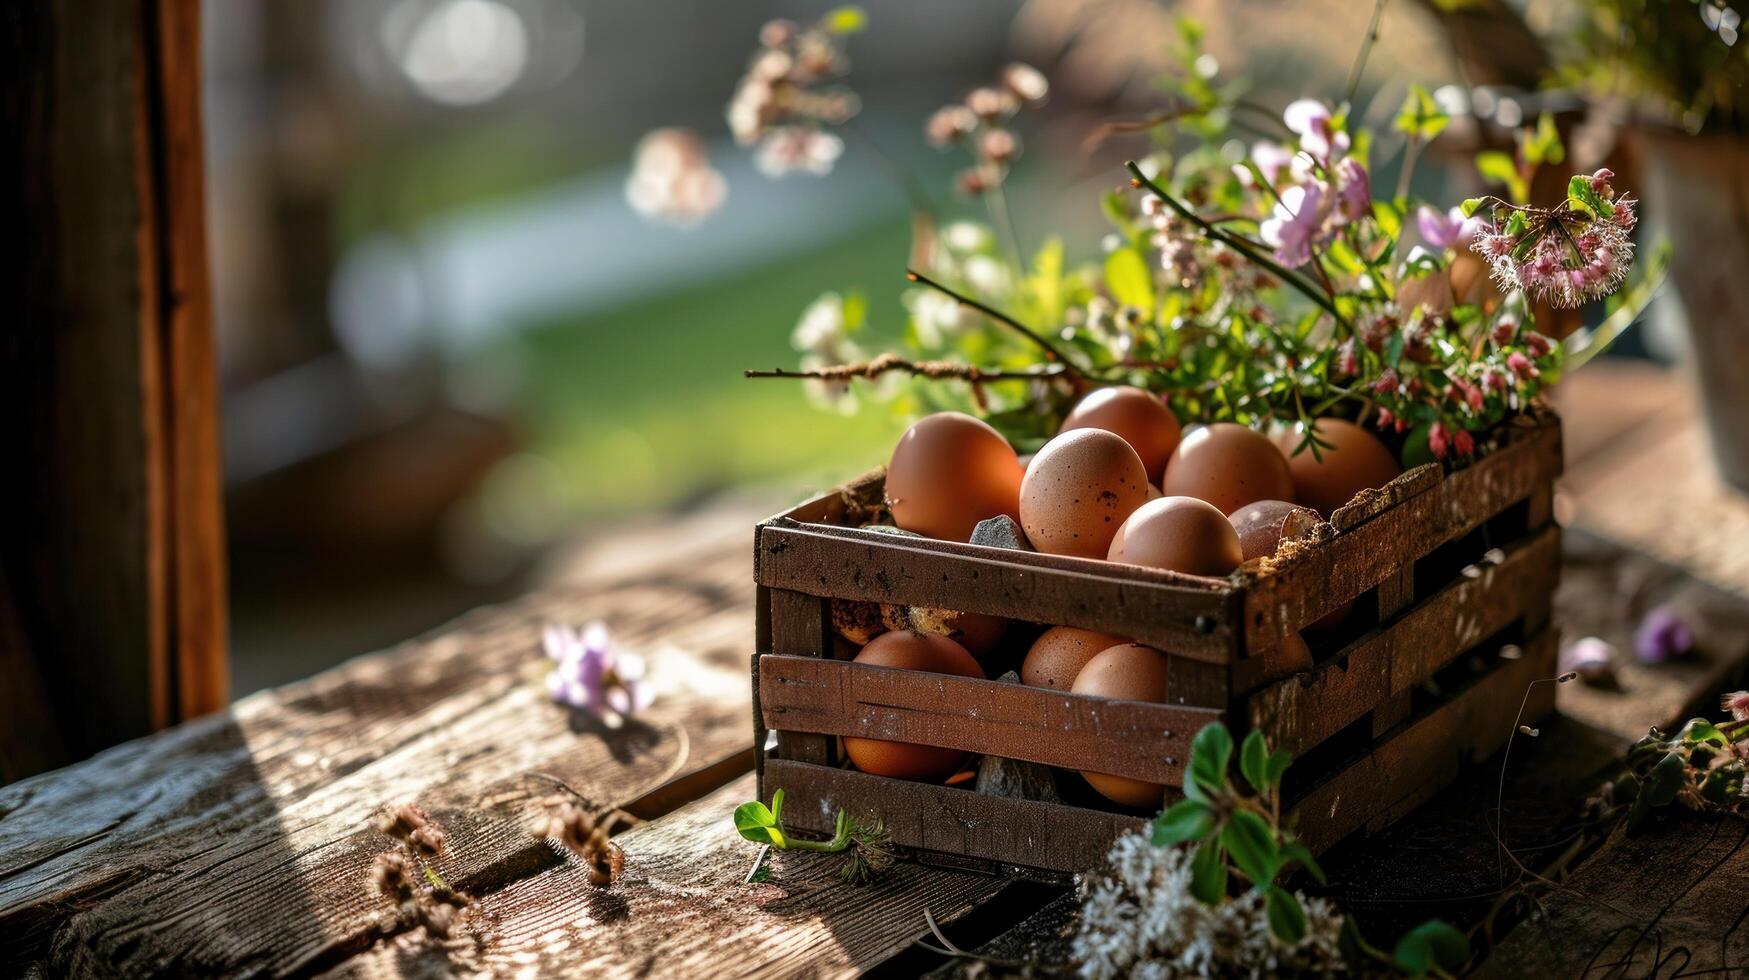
{"x":1038,"y":339}
{"x":1372,"y":37}
{"x":758,"y":859}
{"x":924,"y":369}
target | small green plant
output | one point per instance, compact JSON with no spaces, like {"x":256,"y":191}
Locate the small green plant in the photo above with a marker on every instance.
{"x":1237,"y":832}
{"x":1698,"y":767}
{"x":865,"y":846}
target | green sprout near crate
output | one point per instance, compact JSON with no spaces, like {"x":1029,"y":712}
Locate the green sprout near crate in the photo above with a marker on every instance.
{"x":866,"y":847}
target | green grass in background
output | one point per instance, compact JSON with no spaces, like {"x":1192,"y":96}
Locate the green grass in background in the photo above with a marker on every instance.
{"x":646,"y":407}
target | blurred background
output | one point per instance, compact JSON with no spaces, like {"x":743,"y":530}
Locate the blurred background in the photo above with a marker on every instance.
{"x":452,"y":352}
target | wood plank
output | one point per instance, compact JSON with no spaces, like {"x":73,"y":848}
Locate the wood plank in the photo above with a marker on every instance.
{"x":1299,"y":712}
{"x":1019,"y":836}
{"x":800,"y":625}
{"x":682,"y":908}
{"x":1409,"y":767}
{"x":236,"y":844}
{"x":1123,"y":738}
{"x":1189,"y":622}
{"x":1301,"y":588}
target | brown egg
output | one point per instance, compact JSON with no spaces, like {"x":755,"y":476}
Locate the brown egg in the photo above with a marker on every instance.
{"x":911,"y":651}
{"x":950,"y":471}
{"x":1078,"y":490}
{"x":978,"y":633}
{"x":1141,"y":418}
{"x":1260,"y":525}
{"x":1354,"y":461}
{"x":1182,"y":534}
{"x":1060,"y":652}
{"x":1225,"y":464}
{"x":1130,"y":672}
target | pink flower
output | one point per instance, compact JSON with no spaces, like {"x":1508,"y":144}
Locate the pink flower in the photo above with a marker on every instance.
{"x":1026,"y":82}
{"x":1662,"y":634}
{"x":1520,"y":365}
{"x":1563,"y":257}
{"x":1312,"y":122}
{"x":1447,"y":230}
{"x":1354,"y":190}
{"x":1295,"y":224}
{"x":1271,"y":159}
{"x":672,"y":179}
{"x":787,"y":149}
{"x":949,"y":125}
{"x":1464,"y":443}
{"x":1505,"y":329}
{"x":1536,"y":343}
{"x":1737,"y":703}
{"x":594,"y":676}
{"x":1438,"y":443}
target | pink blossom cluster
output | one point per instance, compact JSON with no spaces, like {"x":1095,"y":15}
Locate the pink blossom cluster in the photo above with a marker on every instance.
{"x":592,"y":674}
{"x":1326,"y":189}
{"x":781,"y":106}
{"x":980,"y":123}
{"x":1566,"y":257}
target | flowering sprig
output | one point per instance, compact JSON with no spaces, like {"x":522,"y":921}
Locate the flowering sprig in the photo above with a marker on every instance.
{"x":866,"y":847}
{"x":783,"y":104}
{"x":1565,"y":256}
{"x":594,"y":675}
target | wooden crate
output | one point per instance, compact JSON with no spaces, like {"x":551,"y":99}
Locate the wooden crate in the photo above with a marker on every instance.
{"x":1452,"y":578}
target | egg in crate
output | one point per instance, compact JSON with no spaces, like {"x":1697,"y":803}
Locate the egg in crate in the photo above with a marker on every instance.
{"x":1260,"y":526}
{"x":1354,"y":460}
{"x":950,"y":471}
{"x":1139,"y":417}
{"x":906,"y":650}
{"x":1060,"y":652}
{"x":1179,"y":534}
{"x":1229,"y":466}
{"x":1078,"y":490}
{"x":1129,"y":672}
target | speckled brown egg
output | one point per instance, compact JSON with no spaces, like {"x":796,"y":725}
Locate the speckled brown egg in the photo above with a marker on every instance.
{"x":1078,"y":490}
{"x":1226,"y":465}
{"x":1060,"y":652}
{"x":1130,"y":672}
{"x":1138,"y":416}
{"x":1181,"y":534}
{"x":1353,"y":460}
{"x":950,"y":471}
{"x":1260,"y":525}
{"x":911,"y":651}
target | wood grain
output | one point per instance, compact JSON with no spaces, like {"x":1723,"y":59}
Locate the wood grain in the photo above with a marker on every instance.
{"x":1123,"y":738}
{"x":684,"y":909}
{"x":236,"y":844}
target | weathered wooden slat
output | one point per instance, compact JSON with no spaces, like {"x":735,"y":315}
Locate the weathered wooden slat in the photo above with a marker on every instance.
{"x":683,"y":909}
{"x":801,"y":626}
{"x":1021,"y":836}
{"x":1189,"y":622}
{"x":1305,"y":586}
{"x":1300,"y":712}
{"x":1410,"y":766}
{"x":1123,"y":738}
{"x":238,"y":844}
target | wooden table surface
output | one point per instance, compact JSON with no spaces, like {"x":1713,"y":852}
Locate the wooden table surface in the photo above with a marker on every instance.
{"x":239,"y":844}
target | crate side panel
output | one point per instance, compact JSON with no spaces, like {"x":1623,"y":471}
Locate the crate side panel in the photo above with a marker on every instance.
{"x":1048,"y":836}
{"x":801,"y":627}
{"x":1299,"y":712}
{"x":1335,"y":571}
{"x":1200,"y":623}
{"x":1123,"y":738}
{"x":1412,"y":764}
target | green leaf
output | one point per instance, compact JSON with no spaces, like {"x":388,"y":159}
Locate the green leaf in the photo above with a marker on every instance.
{"x":1581,"y":197}
{"x":1128,"y":280}
{"x":1498,"y":167}
{"x":1254,"y":756}
{"x":1431,"y":944}
{"x":1665,"y":780}
{"x":1208,"y":873}
{"x":1543,"y":144}
{"x":1471,"y":205}
{"x":1184,"y":820}
{"x":848,"y":19}
{"x":1421,"y":117}
{"x":1209,"y":752}
{"x":757,"y":824}
{"x":1111,"y":203}
{"x":777,"y":808}
{"x":1293,"y":850}
{"x":855,"y":312}
{"x":1517,"y":224}
{"x":1701,"y":730}
{"x":1252,"y":844}
{"x":1287,"y":921}
{"x":1279,"y":760}
{"x":1389,"y":217}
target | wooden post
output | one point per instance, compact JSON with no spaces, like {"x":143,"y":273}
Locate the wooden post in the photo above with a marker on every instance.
{"x":801,"y":625}
{"x":112,"y":532}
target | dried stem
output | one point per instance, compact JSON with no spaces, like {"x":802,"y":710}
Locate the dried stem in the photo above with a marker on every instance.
{"x":1038,"y":339}
{"x":924,"y":369}
{"x":1372,"y":38}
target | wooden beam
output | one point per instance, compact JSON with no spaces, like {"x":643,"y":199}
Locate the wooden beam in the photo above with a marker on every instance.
{"x":111,"y":531}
